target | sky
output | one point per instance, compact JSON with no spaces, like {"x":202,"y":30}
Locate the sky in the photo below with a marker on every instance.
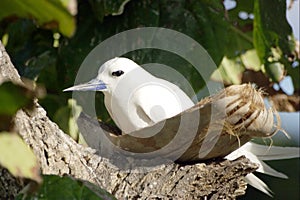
{"x":293,"y":17}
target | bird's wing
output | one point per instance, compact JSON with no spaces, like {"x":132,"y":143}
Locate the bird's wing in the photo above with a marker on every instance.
{"x":156,"y":102}
{"x":186,"y":101}
{"x":143,"y":113}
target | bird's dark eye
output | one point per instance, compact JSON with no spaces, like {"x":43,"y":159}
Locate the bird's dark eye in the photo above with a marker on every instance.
{"x":117,"y":73}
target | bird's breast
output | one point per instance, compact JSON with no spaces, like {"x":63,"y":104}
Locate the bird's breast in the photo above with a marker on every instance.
{"x":145,"y":105}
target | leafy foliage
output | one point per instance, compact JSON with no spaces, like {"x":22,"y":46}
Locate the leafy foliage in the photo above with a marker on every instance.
{"x":55,"y":187}
{"x":55,"y":17}
{"x":274,"y":41}
{"x":13,"y":97}
{"x":67,"y":118}
{"x":226,"y":36}
{"x":25,"y":164}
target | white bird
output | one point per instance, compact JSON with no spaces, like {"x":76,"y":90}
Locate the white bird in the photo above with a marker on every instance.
{"x":136,"y":99}
{"x":133,"y":97}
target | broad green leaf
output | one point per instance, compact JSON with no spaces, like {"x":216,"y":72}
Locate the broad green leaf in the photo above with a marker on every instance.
{"x":48,"y":13}
{"x":242,"y":7}
{"x":219,"y":35}
{"x":13,"y":97}
{"x":55,"y":187}
{"x":17,"y":157}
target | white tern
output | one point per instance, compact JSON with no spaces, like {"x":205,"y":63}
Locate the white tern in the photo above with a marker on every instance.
{"x":136,"y":99}
{"x":133,"y":97}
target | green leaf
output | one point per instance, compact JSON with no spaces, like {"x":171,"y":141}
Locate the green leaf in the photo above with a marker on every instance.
{"x":48,"y":13}
{"x":251,"y":60}
{"x":218,"y":34}
{"x":36,"y":65}
{"x":55,"y":187}
{"x":13,"y":97}
{"x":245,"y":6}
{"x":27,"y":44}
{"x":17,"y":157}
{"x":66,"y":117}
{"x":275,"y":70}
{"x":230,"y":71}
{"x":294,"y":72}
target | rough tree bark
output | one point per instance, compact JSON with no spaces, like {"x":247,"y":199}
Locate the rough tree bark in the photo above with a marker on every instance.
{"x":59,"y":154}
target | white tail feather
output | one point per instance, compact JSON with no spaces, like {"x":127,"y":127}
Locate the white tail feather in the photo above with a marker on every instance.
{"x":257,"y":153}
{"x":264,"y":152}
{"x":258,"y":184}
{"x":266,"y":169}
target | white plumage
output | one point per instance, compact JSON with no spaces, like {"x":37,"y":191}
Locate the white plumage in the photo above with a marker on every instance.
{"x":133,"y":97}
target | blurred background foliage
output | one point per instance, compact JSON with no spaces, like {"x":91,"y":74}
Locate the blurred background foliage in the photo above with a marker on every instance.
{"x":48,"y":40}
{"x":48,"y":45}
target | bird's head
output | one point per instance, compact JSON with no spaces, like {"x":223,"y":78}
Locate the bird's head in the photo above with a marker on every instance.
{"x":109,"y":75}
